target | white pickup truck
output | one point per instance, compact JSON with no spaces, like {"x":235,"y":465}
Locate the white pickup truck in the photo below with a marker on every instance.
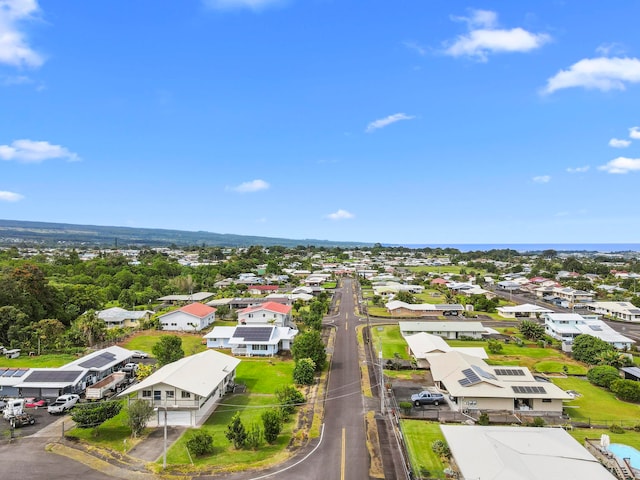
{"x":63,"y":403}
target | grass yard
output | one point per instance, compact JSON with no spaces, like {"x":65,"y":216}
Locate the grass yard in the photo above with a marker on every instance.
{"x":262,"y":377}
{"x":391,"y":339}
{"x":113,"y":434}
{"x":430,"y":296}
{"x":42,"y":361}
{"x":191,"y":342}
{"x":629,"y":437}
{"x":330,"y":285}
{"x":419,"y":436}
{"x":452,"y":269}
{"x":596,"y":404}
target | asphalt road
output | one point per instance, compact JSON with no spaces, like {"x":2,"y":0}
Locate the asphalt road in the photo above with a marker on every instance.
{"x":343,"y":454}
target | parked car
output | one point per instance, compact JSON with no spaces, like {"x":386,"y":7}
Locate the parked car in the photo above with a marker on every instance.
{"x":22,"y":419}
{"x":63,"y":403}
{"x":130,"y":368}
{"x":427,"y":398}
{"x":140,"y":354}
{"x":35,"y":402}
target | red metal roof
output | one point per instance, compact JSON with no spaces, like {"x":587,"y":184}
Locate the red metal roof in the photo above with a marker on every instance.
{"x":271,"y":306}
{"x":263,"y":287}
{"x":198,"y":309}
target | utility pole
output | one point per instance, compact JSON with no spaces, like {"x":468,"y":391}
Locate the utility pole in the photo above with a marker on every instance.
{"x":381,"y":382}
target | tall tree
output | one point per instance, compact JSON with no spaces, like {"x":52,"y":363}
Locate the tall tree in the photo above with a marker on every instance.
{"x":309,"y":345}
{"x":168,"y":349}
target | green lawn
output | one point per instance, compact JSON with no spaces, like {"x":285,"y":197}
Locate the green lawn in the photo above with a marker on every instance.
{"x":597,"y":404}
{"x":191,"y":342}
{"x":430,"y":296}
{"x":113,"y":434}
{"x":42,"y":361}
{"x":419,"y":436}
{"x":391,"y":340}
{"x":262,"y":377}
{"x":453,"y":269}
{"x":330,"y":285}
{"x":629,"y":437}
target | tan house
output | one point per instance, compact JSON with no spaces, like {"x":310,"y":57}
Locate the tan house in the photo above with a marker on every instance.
{"x":475,"y":386}
{"x":402,"y":309}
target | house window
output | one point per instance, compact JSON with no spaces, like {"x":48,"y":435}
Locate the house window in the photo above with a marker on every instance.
{"x":146,"y":393}
{"x":260,"y":347}
{"x":157,"y":395}
{"x":546,"y":400}
{"x":186,"y":394}
{"x":169,"y":394}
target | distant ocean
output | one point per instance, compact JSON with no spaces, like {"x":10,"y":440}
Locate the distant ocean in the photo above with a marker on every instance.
{"x":532,"y":247}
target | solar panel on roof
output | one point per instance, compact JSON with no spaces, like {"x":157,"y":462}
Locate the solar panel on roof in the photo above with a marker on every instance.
{"x":471,"y":376}
{"x":528,"y":389}
{"x":8,"y":373}
{"x":98,"y":361}
{"x":20,"y":372}
{"x":483,"y":373}
{"x":516,"y":372}
{"x":253,"y":334}
{"x":53,"y":376}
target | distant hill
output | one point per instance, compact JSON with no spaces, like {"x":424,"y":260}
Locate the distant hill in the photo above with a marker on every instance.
{"x":14,"y":232}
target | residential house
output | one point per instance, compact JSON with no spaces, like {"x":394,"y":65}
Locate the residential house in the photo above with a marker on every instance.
{"x":252,"y":340}
{"x":190,"y":318}
{"x":119,"y":317}
{"x":402,"y":309}
{"x":193,"y":297}
{"x":449,"y":329}
{"x":516,"y":453}
{"x":567,"y":326}
{"x":187,"y":390}
{"x":625,"y":311}
{"x":262,"y":289}
{"x":475,"y":386}
{"x":9,"y":378}
{"x":269,"y":313}
{"x":423,"y":345}
{"x":74,"y":377}
{"x":526,"y":310}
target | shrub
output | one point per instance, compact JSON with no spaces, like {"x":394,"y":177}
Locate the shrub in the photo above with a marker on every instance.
{"x":236,"y":432}
{"x":603,"y":375}
{"x":272,"y":423}
{"x":289,"y":398}
{"x":304,"y":371}
{"x":587,"y":348}
{"x":494,"y":346}
{"x":626,"y":390}
{"x":405,"y":407}
{"x":616,"y":429}
{"x":441,"y":448}
{"x":87,"y":415}
{"x":140,"y":411}
{"x":200,"y":443}
{"x":254,"y":436}
{"x":483,"y":419}
{"x":538,"y":422}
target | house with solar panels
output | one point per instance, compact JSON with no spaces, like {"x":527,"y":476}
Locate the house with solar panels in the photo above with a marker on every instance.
{"x":252,"y":340}
{"x":9,"y":378}
{"x":473,"y":386}
{"x":73,"y":377}
{"x":188,"y":389}
{"x":190,"y":318}
{"x":567,"y":326}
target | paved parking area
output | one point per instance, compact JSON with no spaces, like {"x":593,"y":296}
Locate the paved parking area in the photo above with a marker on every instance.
{"x":43,"y":419}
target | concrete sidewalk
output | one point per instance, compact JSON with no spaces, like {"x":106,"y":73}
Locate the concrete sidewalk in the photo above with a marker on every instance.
{"x":151,"y":448}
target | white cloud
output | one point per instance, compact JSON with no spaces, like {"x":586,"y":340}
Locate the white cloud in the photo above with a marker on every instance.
{"x":250,"y":187}
{"x":578,"y":169}
{"x":10,"y":196}
{"x":484,"y":38}
{"x":30,"y":151}
{"x":14,"y":48}
{"x":542,"y":179}
{"x":634,"y":132}
{"x":383,"y":122}
{"x":340,"y":215}
{"x":608,"y":49}
{"x":600,"y":73}
{"x":240,"y":4}
{"x":419,"y":49}
{"x":621,"y":165}
{"x":619,"y":143}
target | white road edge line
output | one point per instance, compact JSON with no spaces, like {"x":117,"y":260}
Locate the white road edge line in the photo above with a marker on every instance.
{"x":298,"y":462}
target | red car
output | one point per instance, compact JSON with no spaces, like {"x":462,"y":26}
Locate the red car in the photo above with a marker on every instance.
{"x":35,"y":402}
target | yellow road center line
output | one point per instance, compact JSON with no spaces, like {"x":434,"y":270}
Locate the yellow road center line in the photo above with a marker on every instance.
{"x":344,"y":456}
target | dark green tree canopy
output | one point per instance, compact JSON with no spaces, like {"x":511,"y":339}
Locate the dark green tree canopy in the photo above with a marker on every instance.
{"x":589,"y":349}
{"x":309,"y":345}
{"x":168,"y":349}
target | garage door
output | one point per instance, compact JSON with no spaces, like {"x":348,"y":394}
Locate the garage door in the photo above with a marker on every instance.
{"x":180,"y":418}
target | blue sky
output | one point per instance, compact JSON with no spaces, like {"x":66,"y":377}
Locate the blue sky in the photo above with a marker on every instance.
{"x":381,"y":121}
